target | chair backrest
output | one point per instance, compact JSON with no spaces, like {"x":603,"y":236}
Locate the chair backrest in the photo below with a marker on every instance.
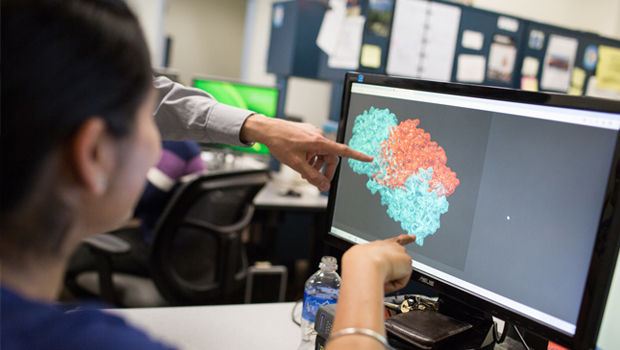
{"x":197,"y":256}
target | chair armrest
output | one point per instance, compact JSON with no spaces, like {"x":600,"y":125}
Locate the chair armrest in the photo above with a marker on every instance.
{"x":107,"y":243}
{"x":242,"y":223}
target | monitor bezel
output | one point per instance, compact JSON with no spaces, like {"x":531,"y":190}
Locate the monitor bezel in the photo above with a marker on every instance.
{"x":607,"y":241}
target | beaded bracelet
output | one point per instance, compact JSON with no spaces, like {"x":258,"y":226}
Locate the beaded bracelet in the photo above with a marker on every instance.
{"x":361,"y":331}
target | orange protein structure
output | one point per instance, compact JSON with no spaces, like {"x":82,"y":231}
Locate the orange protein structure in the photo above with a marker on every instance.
{"x":407,"y":150}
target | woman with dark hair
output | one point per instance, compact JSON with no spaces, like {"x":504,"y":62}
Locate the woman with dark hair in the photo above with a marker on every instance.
{"x":78,"y":138}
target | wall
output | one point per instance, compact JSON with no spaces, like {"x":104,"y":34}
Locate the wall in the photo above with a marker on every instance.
{"x":151,"y":14}
{"x":210,"y":37}
{"x":599,"y":16}
{"x":306,"y":98}
{"x":207,"y":37}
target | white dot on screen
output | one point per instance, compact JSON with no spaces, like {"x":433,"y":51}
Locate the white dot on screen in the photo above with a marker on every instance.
{"x":508,"y":217}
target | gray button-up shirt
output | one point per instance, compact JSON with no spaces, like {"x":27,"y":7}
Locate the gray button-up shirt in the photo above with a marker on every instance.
{"x":185,"y":113}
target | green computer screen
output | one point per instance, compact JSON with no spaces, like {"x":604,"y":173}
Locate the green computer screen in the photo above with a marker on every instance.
{"x":260,"y":99}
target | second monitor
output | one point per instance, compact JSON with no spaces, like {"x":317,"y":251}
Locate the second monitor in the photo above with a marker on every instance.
{"x":257,"y":98}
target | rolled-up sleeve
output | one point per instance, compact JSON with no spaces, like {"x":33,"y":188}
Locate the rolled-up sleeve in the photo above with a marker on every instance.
{"x":185,"y":113}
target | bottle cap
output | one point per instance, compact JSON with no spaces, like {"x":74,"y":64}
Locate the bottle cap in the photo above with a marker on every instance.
{"x":328,"y":263}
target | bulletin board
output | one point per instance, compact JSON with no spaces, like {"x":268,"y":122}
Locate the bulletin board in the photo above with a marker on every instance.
{"x":488,"y":49}
{"x":367,"y":30}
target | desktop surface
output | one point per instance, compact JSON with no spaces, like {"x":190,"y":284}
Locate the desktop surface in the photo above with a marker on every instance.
{"x":480,"y":181}
{"x":246,"y":326}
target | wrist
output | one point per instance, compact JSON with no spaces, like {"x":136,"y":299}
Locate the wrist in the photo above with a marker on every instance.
{"x":255,"y":128}
{"x":356,"y":261}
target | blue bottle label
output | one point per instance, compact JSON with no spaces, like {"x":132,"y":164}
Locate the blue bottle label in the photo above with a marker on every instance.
{"x":312,"y":304}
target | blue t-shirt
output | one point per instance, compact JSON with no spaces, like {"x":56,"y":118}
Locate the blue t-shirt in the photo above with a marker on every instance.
{"x":30,"y":325}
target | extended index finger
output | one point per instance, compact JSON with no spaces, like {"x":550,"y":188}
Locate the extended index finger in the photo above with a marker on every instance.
{"x":343,"y":150}
{"x":403,"y":239}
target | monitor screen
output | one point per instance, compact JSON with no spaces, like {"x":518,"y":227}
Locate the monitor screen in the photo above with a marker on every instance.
{"x":503,"y":189}
{"x":259,"y":99}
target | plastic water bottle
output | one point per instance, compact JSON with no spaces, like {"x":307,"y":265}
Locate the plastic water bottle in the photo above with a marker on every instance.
{"x":322,"y":288}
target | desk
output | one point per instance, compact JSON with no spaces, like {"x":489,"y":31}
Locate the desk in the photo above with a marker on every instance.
{"x":270,"y":197}
{"x":270,"y":201}
{"x":238,"y":327}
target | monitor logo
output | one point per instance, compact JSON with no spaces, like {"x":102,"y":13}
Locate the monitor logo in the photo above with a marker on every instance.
{"x":426,"y":281}
{"x":360,"y":78}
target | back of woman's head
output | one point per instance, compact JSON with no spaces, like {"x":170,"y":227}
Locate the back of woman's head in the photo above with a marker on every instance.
{"x":64,"y":61}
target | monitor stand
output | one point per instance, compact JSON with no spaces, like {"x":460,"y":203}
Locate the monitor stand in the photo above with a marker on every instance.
{"x":479,"y":336}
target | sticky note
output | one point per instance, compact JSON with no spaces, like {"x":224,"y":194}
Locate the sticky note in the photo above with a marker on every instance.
{"x":578,"y":78}
{"x":507,"y":23}
{"x":530,"y":66}
{"x":470,"y":68}
{"x":371,"y":56}
{"x":529,"y":84}
{"x":472,"y":40}
{"x":608,"y":70}
{"x":575,"y":91}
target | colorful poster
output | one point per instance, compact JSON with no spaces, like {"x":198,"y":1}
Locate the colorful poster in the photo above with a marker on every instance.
{"x":502,"y":59}
{"x":590,"y":57}
{"x":537,"y":39}
{"x":379,"y":17}
{"x":558,"y":63}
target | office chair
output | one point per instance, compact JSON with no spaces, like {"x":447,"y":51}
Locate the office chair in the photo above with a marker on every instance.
{"x":196,"y":256}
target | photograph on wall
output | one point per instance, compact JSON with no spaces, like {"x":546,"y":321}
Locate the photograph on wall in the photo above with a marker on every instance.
{"x":558,"y":63}
{"x":379,"y":17}
{"x":502,"y":59}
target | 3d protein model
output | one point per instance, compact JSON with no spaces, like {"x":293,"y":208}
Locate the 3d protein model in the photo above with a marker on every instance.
{"x":409,"y":170}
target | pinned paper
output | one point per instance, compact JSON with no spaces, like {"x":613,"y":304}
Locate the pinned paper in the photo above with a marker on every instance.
{"x":278,"y":15}
{"x":529,"y":84}
{"x":608,"y":70}
{"x":501,"y":62}
{"x":590,"y":57}
{"x":424,"y":39}
{"x":332,"y":26}
{"x":558,"y":63}
{"x":472,"y":40}
{"x":507,"y":23}
{"x":347,"y":54}
{"x":537,"y":39}
{"x":371,"y":56}
{"x":470,"y":68}
{"x":594,"y":91}
{"x":578,"y":78}
{"x":379,"y":17}
{"x":575,"y":91}
{"x":530,"y":66}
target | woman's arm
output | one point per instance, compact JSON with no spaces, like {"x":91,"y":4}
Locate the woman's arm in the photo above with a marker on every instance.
{"x":368,"y":272}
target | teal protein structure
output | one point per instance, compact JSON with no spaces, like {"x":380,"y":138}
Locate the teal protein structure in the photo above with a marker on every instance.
{"x":417,"y":209}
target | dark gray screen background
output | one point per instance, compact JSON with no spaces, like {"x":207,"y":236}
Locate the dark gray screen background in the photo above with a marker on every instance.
{"x":548,"y":177}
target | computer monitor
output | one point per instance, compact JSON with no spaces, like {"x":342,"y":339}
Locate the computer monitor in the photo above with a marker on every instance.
{"x":608,"y":337}
{"x":257,"y":98}
{"x":508,"y":192}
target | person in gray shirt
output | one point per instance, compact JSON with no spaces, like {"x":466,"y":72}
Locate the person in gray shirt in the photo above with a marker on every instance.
{"x":185,"y":113}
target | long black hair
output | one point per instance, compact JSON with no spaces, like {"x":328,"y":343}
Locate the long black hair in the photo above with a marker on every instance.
{"x":64,"y":61}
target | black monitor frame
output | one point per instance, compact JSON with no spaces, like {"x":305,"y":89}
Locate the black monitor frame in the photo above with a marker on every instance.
{"x":607,"y":242}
